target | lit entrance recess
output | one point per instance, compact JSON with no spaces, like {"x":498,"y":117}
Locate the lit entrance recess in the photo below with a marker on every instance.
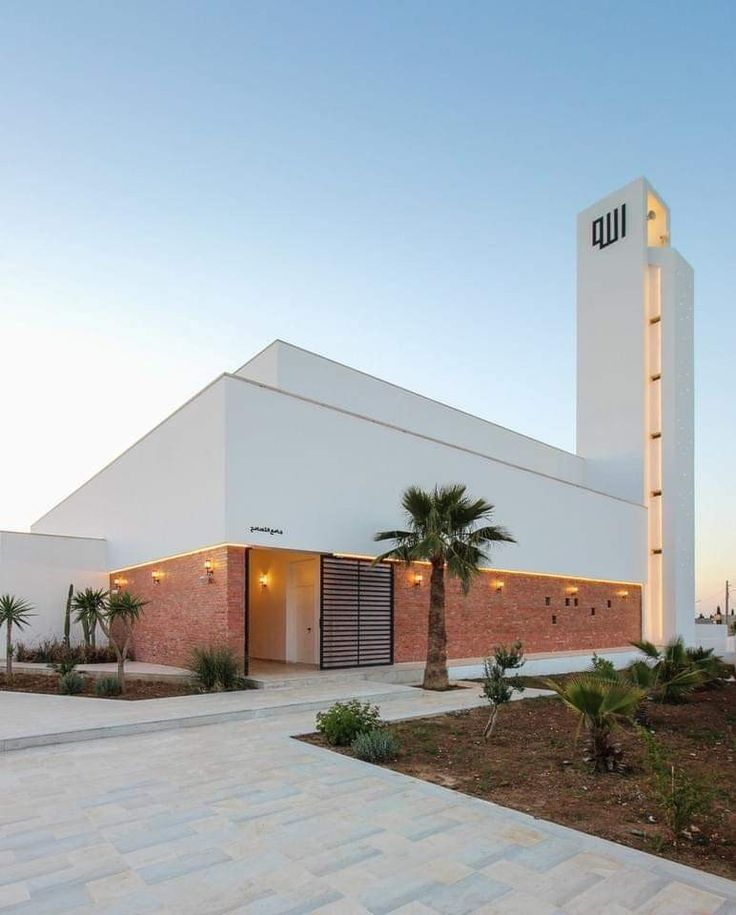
{"x":283,"y":606}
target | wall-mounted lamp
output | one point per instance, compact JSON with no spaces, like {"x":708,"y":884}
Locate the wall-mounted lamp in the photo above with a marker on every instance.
{"x":209,"y":569}
{"x":156,"y":577}
{"x":572,"y":589}
{"x":499,"y":586}
{"x":263,"y":579}
{"x":117,"y":584}
{"x":623,"y":593}
{"x":417,"y":579}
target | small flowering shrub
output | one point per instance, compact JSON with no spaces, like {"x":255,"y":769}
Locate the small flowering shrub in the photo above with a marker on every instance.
{"x":344,"y":721}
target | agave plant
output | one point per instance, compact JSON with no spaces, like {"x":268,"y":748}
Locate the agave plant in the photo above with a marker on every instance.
{"x":600,"y":705}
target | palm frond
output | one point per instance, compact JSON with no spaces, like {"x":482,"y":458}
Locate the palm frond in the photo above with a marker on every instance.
{"x":648,"y":648}
{"x":15,"y":611}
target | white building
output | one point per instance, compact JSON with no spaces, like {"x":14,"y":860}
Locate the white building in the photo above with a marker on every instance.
{"x":241,"y":516}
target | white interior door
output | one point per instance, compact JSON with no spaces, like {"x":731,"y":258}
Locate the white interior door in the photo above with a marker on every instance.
{"x":301,"y":612}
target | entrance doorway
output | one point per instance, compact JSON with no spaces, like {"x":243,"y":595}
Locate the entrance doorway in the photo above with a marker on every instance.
{"x":283,"y":606}
{"x":302,"y":601}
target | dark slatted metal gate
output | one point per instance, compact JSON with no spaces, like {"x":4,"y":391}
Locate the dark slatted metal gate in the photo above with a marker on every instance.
{"x":356,"y":613}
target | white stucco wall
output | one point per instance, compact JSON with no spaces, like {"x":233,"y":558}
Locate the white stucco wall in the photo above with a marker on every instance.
{"x":40,"y":569}
{"x":164,"y":495}
{"x":298,"y":371}
{"x":329,"y":480}
{"x":677,"y":444}
{"x":610,"y":347}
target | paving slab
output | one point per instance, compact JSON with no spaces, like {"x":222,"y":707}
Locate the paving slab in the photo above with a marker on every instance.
{"x":240,"y":817}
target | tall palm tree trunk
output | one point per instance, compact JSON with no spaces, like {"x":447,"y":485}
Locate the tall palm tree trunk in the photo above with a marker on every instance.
{"x":9,"y":650}
{"x":121,"y":669}
{"x":435,"y":673}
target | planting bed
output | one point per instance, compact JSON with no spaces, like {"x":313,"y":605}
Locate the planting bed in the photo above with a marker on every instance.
{"x":534,"y":763}
{"x":134,"y":689}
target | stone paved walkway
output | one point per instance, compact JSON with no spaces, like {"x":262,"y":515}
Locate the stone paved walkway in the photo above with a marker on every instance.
{"x":28,"y":719}
{"x":241,"y":818}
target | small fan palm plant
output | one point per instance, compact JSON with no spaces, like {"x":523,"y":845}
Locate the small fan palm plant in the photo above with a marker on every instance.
{"x":714,"y":670}
{"x":450,"y":530}
{"x":121,"y":612}
{"x":14,"y":611}
{"x":600,"y":706}
{"x":675,"y":675}
{"x":89,"y":606}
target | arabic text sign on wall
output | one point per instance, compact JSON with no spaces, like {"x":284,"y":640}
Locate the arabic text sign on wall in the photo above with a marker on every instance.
{"x":262,"y":529}
{"x":609,"y":228}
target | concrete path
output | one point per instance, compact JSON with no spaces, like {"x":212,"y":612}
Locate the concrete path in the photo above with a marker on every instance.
{"x":241,"y":818}
{"x":28,"y":719}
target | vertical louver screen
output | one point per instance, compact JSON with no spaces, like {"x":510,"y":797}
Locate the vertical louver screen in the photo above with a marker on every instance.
{"x":356,"y":613}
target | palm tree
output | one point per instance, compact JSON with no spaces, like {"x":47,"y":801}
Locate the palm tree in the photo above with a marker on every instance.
{"x":448,"y":529}
{"x":90,"y":607}
{"x":14,"y":611}
{"x":600,"y":705}
{"x":121,"y":612}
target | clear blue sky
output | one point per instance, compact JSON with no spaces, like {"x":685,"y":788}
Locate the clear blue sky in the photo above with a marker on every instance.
{"x":393,"y":184}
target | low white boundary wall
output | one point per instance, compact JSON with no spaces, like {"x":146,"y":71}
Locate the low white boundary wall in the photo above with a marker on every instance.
{"x":40,"y":568}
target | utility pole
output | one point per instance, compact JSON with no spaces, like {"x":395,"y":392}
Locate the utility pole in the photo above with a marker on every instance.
{"x":727,"y":596}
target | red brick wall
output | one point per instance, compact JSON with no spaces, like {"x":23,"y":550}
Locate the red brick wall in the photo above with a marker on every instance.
{"x":185,"y":610}
{"x":486,"y":617}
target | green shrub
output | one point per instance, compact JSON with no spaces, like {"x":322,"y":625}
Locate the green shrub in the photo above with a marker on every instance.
{"x":498,"y":688}
{"x":107,"y":686}
{"x":71,"y":684}
{"x":377,"y":746}
{"x":681,"y":797}
{"x":344,"y":721}
{"x":65,"y":664}
{"x":216,"y":669}
{"x":602,"y":667}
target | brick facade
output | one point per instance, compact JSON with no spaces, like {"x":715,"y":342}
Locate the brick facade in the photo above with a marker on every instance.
{"x":519,"y":610}
{"x":185,"y":609}
{"x":546,"y":613}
